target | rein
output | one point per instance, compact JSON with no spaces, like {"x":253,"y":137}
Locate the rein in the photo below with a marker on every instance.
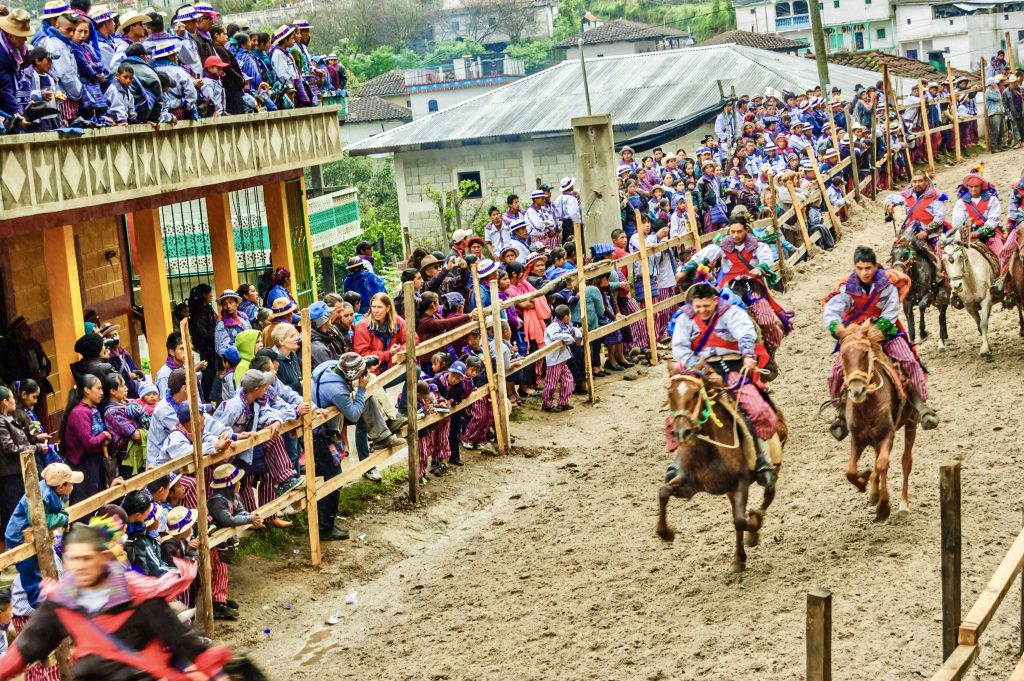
{"x":858,"y":341}
{"x":704,"y":411}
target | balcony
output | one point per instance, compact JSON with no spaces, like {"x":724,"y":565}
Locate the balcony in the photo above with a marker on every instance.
{"x":45,"y":173}
{"x":463,"y":73}
{"x":793,"y":22}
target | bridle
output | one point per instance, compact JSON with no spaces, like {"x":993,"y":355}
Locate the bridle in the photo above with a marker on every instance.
{"x":957,"y":246}
{"x":704,"y":411}
{"x":857,"y":340}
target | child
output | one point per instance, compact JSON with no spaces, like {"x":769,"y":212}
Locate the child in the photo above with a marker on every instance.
{"x":120,"y":101}
{"x":356,"y":301}
{"x":481,"y":414}
{"x":142,"y":546}
{"x":46,"y":92}
{"x":474,"y":345}
{"x":178,"y":542}
{"x":212,"y":92}
{"x":25,"y":415}
{"x":556,"y":264}
{"x":225,"y":508}
{"x":438,"y":363}
{"x":451,"y":388}
{"x":427,"y":401}
{"x":459,"y":420}
{"x":149,"y":397}
{"x":510,"y":357}
{"x":557,"y":363}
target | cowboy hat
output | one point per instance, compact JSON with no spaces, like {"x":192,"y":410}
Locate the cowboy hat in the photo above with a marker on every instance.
{"x":427,"y":261}
{"x":180,"y":520}
{"x":282,"y":309}
{"x":17,"y":23}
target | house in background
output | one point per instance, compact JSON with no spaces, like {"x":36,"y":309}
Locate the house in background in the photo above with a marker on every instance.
{"x":495,"y":24}
{"x":622,"y":37}
{"x":761,"y":41}
{"x":427,"y":90}
{"x":369,"y":116}
{"x":961,"y":33}
{"x":849,"y":24}
{"x":903,"y":67}
{"x":515,"y":137}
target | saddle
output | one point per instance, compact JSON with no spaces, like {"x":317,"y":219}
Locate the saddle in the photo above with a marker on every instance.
{"x":990,"y":257}
{"x":892,"y":369}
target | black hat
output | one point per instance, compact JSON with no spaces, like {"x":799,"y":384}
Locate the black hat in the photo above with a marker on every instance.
{"x":38,"y":53}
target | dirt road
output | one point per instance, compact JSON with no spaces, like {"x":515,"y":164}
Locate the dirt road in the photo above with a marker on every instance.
{"x":546,"y":566}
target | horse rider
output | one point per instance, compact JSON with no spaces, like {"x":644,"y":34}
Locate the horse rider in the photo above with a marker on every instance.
{"x":740,"y":254}
{"x":1013,"y":216}
{"x":869,"y":295}
{"x":721,"y":337}
{"x":925,"y":206}
{"x":978,"y":208}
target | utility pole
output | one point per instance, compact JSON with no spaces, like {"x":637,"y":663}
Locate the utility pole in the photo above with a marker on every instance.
{"x":820,"y":55}
{"x":583,"y":67}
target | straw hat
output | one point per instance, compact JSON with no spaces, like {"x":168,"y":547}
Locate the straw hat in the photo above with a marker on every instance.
{"x":17,"y":23}
{"x":130,"y":18}
{"x":180,"y":519}
{"x":226,"y":475}
{"x":282,"y":309}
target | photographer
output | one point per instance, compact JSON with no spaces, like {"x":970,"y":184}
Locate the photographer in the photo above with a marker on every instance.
{"x":342,"y":384}
{"x":120,"y":359}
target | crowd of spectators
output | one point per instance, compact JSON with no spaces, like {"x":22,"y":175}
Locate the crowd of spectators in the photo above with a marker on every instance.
{"x":87,"y":66}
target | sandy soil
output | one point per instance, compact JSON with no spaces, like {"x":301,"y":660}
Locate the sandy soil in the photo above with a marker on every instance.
{"x":545,"y":565}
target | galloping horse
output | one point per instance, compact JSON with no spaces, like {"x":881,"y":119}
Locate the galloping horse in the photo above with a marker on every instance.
{"x":876,"y":407}
{"x":970,"y":280}
{"x":1015,"y":272}
{"x":911,"y":257}
{"x":713,"y":455}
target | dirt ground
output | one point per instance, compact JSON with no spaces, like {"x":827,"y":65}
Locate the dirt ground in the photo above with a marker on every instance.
{"x":545,"y":565}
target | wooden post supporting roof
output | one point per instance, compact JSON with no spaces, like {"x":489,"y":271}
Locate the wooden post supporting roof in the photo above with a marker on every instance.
{"x":65,"y":300}
{"x":222,"y":242}
{"x":282,"y":254}
{"x":152,"y":269}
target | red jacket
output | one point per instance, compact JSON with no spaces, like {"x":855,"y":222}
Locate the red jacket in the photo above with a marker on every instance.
{"x":367,"y":343}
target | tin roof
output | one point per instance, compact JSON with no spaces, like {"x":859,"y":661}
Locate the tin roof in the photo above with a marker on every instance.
{"x":763,"y":41}
{"x":638,"y":90}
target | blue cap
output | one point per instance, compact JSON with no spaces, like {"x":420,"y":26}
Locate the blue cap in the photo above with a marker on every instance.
{"x":183,"y":413}
{"x":458,"y":368}
{"x":147,"y":388}
{"x":231,"y":355}
{"x":318,"y":310}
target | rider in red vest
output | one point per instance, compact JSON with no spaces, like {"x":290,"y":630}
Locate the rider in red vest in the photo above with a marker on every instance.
{"x":722,"y":336}
{"x":926,"y":210}
{"x":868,"y":294}
{"x":120,"y":624}
{"x":978,"y":209}
{"x":1013,"y":216}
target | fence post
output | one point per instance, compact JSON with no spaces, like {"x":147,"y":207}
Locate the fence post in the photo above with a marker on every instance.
{"x":886,"y":131}
{"x":949,"y":502}
{"x":498,"y":410}
{"x":824,"y":195}
{"x":691,"y":216}
{"x":204,"y":611}
{"x":902,"y":129}
{"x":412,"y":435}
{"x":832,"y":127}
{"x":854,"y":164}
{"x":984,"y":109}
{"x":645,"y":273}
{"x":1010,"y":53}
{"x":588,"y":360}
{"x":926,"y":129}
{"x":42,"y":542}
{"x":499,"y":371}
{"x":798,"y":210}
{"x":406,"y":243}
{"x":819,"y":634}
{"x":954,"y":102}
{"x":312,"y":512}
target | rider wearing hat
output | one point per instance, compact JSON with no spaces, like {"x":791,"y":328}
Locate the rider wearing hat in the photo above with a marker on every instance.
{"x":869,"y":295}
{"x":715,"y":335}
{"x":926,"y":213}
{"x":978,"y":209}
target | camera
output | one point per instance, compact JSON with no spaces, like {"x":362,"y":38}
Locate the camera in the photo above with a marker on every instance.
{"x":111,"y":342}
{"x":371,"y":361}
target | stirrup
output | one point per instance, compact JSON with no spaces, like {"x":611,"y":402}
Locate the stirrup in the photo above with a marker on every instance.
{"x":671,"y":472}
{"x":838,"y":428}
{"x":764,"y":472}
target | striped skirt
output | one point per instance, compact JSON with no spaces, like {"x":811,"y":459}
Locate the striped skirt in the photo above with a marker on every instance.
{"x":481,"y":420}
{"x":638,"y":329}
{"x":771,"y":329}
{"x":661,"y":319}
{"x":553,"y":240}
{"x":69,"y":109}
{"x":434,"y":445}
{"x":36,"y":672}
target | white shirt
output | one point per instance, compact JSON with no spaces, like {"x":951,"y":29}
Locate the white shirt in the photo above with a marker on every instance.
{"x":734,"y":324}
{"x":961,"y":216}
{"x":554,"y":333}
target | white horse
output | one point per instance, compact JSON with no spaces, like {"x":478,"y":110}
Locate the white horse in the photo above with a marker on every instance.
{"x":970,"y":281}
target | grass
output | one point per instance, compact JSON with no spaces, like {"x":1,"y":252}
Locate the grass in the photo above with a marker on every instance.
{"x":354,"y":500}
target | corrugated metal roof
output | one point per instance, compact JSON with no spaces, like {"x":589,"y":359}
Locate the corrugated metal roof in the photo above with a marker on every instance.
{"x":636,"y":89}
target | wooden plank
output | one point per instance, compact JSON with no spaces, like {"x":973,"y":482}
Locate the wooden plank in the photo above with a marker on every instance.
{"x":888,"y":134}
{"x":538,"y":355}
{"x":954,"y":101}
{"x":691,"y":217}
{"x":833,"y":217}
{"x":477,"y":394}
{"x":204,"y":609}
{"x":645,"y":274}
{"x":924,"y":126}
{"x":588,"y":360}
{"x":488,"y":364}
{"x":312,"y":512}
{"x":984,"y":112}
{"x":819,"y":635}
{"x":956,"y":665}
{"x":500,"y":371}
{"x":412,"y":433}
{"x":612,"y":327}
{"x":1018,"y":671}
{"x":42,"y":542}
{"x":669,"y":302}
{"x":798,"y":209}
{"x":852,"y":158}
{"x":980,"y":614}
{"x":353,"y":474}
{"x":949,"y":513}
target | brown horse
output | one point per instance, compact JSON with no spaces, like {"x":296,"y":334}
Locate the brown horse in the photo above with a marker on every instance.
{"x":711,"y":457}
{"x":1015,"y":276}
{"x":875,"y":410}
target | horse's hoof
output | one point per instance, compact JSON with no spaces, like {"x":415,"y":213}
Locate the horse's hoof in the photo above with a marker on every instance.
{"x":924,"y":335}
{"x":667,"y":535}
{"x":942,"y":345}
{"x":902,"y":513}
{"x":738,"y":566}
{"x":882,"y":514}
{"x":752,"y":539}
{"x":873,"y":498}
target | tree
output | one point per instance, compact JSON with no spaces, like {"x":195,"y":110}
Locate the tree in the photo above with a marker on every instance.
{"x":567,"y":21}
{"x":513,"y":17}
{"x":452,"y":48}
{"x":449,"y":206}
{"x":536,"y":54}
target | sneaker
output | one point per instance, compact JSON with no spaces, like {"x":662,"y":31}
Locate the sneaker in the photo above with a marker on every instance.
{"x":224,"y":613}
{"x":566,"y":407}
{"x":335,"y":534}
{"x":290,"y":483}
{"x":389,"y":442}
{"x":396,"y":424}
{"x":471,"y":445}
{"x":373,"y":475}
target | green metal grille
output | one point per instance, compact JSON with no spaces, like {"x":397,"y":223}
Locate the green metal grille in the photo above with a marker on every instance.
{"x":302,"y":275}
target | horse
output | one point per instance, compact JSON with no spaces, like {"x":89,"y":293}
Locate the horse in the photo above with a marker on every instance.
{"x":970,"y":280}
{"x":910,"y":256}
{"x":753,"y":292}
{"x":1015,"y":273}
{"x":711,"y":456}
{"x":875,"y":410}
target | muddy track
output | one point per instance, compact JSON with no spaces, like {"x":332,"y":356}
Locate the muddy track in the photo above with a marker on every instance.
{"x":546,"y":566}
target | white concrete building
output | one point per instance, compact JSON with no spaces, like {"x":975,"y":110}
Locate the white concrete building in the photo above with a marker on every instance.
{"x":495,"y":24}
{"x":622,"y":37}
{"x":849,"y":24}
{"x":513,"y":138}
{"x":369,"y":116}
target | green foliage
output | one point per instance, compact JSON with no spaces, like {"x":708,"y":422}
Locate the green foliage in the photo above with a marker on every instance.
{"x":705,"y":18}
{"x":567,"y":21}
{"x":356,"y":498}
{"x":535,"y":53}
{"x":448,"y":49}
{"x":269,"y":542}
{"x":364,"y":66}
{"x":448,"y":203}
